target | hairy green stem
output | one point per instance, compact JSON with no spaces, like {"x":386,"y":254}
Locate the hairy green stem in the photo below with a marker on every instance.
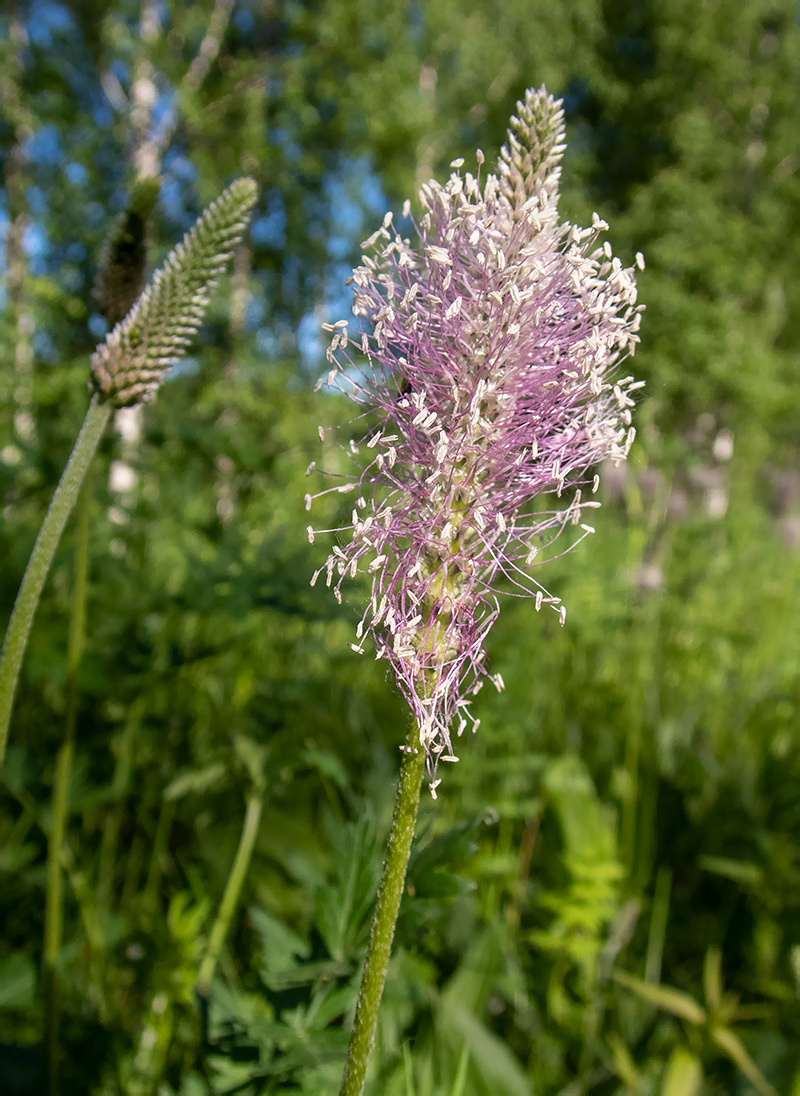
{"x":233,"y":889}
{"x":390,"y":892}
{"x":42,"y":556}
{"x":54,"y":896}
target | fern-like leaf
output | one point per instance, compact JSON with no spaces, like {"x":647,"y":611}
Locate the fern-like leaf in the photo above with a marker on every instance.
{"x":131,"y":364}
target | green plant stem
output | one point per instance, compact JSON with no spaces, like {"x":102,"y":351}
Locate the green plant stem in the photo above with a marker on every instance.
{"x":54,"y":897}
{"x":134,"y":861}
{"x":390,"y":892}
{"x":42,"y":557}
{"x":158,"y":856}
{"x":120,"y":786}
{"x":84,"y":894}
{"x":233,"y":889}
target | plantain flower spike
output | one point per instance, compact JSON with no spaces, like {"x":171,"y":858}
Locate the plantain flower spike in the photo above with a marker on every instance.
{"x":123,"y":260}
{"x":488,"y":363}
{"x":134,"y":359}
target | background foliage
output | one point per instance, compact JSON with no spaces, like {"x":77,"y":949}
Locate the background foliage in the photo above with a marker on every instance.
{"x":606,"y":896}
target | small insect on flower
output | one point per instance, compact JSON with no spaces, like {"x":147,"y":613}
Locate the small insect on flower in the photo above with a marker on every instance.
{"x":488,"y":367}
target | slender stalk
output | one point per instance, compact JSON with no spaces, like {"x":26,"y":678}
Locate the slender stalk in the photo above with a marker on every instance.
{"x":54,"y":897}
{"x":158,"y":855}
{"x":77,"y":879}
{"x":233,"y":889}
{"x":42,"y":556}
{"x":133,"y":863}
{"x":390,"y":892}
{"x":630,"y":804}
{"x":658,"y":926}
{"x":119,"y":790}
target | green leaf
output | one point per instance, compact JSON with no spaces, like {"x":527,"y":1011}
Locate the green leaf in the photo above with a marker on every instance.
{"x":585,"y":827}
{"x":683,"y":1075}
{"x":17,"y":982}
{"x":497,"y":1066}
{"x":280,"y":946}
{"x":343,"y":907}
{"x":731,"y":1045}
{"x":408,"y":1069}
{"x":253,"y":755}
{"x":460,"y":1083}
{"x":624,"y":1064}
{"x":739,"y":871}
{"x":471,"y":983}
{"x":327,"y":764}
{"x":794,"y":960}
{"x":664,"y":997}
{"x":712,"y":978}
{"x":195,"y":780}
{"x":185,"y":916}
{"x":303,"y":974}
{"x":13,"y":858}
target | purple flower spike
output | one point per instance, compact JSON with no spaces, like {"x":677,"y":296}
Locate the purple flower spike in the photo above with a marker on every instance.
{"x":491,"y":348}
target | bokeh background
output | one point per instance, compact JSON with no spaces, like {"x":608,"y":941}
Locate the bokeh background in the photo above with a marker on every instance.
{"x":605,"y":898}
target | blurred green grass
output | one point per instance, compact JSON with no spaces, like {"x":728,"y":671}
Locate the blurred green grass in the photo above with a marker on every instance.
{"x":629,"y":802}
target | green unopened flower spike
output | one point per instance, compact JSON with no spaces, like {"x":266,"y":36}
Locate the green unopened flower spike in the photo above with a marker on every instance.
{"x":133,"y":361}
{"x":127,"y":369}
{"x":123,"y":260}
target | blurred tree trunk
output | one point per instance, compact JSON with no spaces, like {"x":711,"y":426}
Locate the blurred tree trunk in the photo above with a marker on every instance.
{"x":149,"y":142}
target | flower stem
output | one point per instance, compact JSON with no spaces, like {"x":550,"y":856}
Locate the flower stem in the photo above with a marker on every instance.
{"x":54,"y":897}
{"x":383,"y":924}
{"x":42,"y":556}
{"x":233,"y":889}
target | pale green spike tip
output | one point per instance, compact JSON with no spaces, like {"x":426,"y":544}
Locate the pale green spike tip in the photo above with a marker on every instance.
{"x":530,"y":160}
{"x":134,"y":359}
